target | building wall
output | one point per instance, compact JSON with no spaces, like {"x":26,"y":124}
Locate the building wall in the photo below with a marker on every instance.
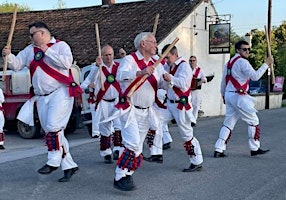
{"x":194,"y":41}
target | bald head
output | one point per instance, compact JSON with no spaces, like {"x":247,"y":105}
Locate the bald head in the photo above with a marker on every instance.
{"x":107,"y":55}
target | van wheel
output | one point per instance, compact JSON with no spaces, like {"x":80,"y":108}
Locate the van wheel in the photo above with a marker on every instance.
{"x":28,"y":132}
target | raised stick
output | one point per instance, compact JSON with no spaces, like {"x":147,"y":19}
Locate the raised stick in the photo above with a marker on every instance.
{"x":155,"y":65}
{"x":9,"y":41}
{"x":99,"y":54}
{"x":156,"y":24}
{"x":269,"y":54}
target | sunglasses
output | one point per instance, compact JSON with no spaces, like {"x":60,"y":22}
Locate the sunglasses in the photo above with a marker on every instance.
{"x":192,"y":60}
{"x":245,"y":49}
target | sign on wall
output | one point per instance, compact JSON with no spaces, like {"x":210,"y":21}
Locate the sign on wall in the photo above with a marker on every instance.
{"x":219,"y":38}
{"x":279,"y":82}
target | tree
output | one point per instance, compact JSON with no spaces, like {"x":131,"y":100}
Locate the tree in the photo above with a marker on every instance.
{"x":61,"y":4}
{"x":278,"y":49}
{"x":234,"y":38}
{"x":9,"y":7}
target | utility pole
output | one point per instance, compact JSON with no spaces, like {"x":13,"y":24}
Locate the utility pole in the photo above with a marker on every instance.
{"x":268,"y":81}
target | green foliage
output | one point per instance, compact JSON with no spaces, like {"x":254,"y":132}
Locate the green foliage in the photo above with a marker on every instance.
{"x":234,"y":38}
{"x":258,"y":52}
{"x":278,"y":47}
{"x":9,"y":7}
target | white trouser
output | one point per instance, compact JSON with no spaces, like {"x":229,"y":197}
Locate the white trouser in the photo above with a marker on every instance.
{"x":55,"y":157}
{"x":95,"y":121}
{"x":196,"y":102}
{"x":104,"y":110}
{"x":54,"y":112}
{"x":167,"y":138}
{"x":165,"y":117}
{"x":184,"y":119}
{"x":134,"y":128}
{"x":238,"y":106}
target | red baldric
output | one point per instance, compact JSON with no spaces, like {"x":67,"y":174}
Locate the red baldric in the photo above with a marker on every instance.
{"x":240,"y":89}
{"x":193,"y":85}
{"x":110,"y":80}
{"x":182,"y":95}
{"x":122,"y":101}
{"x":74,"y":88}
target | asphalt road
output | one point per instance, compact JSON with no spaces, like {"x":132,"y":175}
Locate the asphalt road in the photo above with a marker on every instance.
{"x":238,"y":176}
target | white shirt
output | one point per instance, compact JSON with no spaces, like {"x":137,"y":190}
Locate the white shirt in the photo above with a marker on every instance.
{"x":145,"y":95}
{"x":111,"y":93}
{"x":242,"y":71}
{"x":58,"y":56}
{"x":90,"y":77}
{"x":201,"y":74}
{"x":181,"y":79}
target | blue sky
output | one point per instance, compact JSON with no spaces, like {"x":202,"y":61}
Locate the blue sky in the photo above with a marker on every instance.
{"x":245,"y":14}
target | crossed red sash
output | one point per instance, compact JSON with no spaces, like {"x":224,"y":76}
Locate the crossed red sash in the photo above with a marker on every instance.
{"x":74,"y":88}
{"x":110,"y":80}
{"x":183,"y":102}
{"x":240,"y":89}
{"x":123,"y":104}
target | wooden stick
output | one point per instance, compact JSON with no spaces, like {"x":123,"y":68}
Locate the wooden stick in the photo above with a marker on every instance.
{"x":156,"y":24}
{"x":99,"y":54}
{"x":269,"y":54}
{"x":9,"y":41}
{"x":155,"y":65}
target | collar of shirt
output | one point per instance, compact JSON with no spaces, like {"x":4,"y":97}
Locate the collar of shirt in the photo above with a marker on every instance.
{"x":141,"y":57}
{"x":103,"y":64}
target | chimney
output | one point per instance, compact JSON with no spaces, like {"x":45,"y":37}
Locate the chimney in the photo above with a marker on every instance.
{"x":107,"y":3}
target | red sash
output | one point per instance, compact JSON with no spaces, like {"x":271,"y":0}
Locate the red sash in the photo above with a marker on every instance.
{"x":110,"y":80}
{"x":183,"y":102}
{"x":74,"y":88}
{"x":195,"y":75}
{"x":240,"y":89}
{"x":123,"y":104}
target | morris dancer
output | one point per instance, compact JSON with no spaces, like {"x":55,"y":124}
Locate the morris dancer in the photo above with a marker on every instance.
{"x":140,"y":115}
{"x":179,"y":105}
{"x":199,"y":75}
{"x":50,"y":61}
{"x":105,"y":101}
{"x":234,"y":86}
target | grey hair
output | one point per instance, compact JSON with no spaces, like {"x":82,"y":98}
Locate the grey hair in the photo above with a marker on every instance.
{"x":140,"y":37}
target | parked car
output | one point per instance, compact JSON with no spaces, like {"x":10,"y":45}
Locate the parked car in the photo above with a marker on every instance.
{"x":256,"y":87}
{"x":16,"y":89}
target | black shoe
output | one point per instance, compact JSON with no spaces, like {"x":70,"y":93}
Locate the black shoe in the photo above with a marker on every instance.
{"x":47,"y":169}
{"x":68,"y":174}
{"x":259,"y":151}
{"x":167,"y":146}
{"x":193,"y":168}
{"x":116,"y":155}
{"x":154,"y":158}
{"x":95,"y":136}
{"x":124,"y":184}
{"x":108,"y":159}
{"x":219,"y":154}
{"x":193,"y":124}
{"x":2,"y":147}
